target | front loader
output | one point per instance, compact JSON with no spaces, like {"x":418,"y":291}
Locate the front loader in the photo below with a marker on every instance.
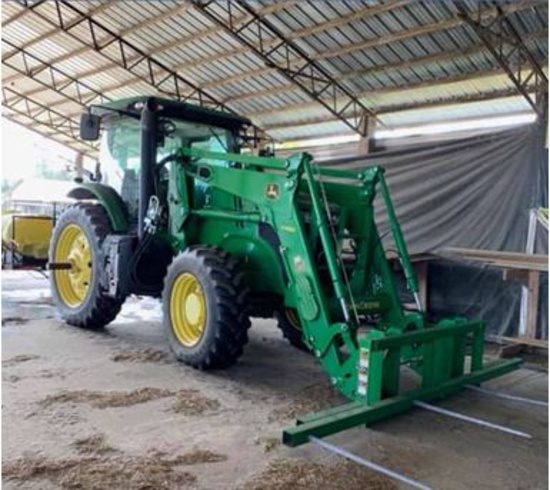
{"x":222,"y":236}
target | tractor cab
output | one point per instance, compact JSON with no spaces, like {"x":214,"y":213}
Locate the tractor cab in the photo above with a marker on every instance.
{"x":138,"y":134}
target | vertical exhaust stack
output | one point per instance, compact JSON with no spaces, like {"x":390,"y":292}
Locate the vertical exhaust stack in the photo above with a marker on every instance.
{"x":148,"y":151}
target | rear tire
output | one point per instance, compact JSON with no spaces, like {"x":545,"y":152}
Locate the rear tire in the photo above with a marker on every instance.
{"x":289,"y":324}
{"x":205,"y":309}
{"x":77,"y":293}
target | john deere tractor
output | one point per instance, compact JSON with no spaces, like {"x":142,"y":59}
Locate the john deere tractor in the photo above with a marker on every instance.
{"x":180,"y":212}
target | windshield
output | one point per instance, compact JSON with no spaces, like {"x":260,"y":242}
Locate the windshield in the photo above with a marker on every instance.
{"x":120,"y":145}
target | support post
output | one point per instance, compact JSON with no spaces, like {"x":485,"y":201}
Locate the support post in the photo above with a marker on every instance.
{"x":365,"y":144}
{"x":79,"y":167}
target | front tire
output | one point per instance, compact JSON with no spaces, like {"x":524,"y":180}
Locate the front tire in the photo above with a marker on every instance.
{"x":204,"y":307}
{"x":77,"y":293}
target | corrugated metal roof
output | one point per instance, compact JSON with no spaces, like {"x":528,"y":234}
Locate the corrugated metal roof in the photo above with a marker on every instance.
{"x":390,"y":54}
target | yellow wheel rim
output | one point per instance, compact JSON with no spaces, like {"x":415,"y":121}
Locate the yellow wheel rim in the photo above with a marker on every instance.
{"x":187,"y":309}
{"x":73,"y":247}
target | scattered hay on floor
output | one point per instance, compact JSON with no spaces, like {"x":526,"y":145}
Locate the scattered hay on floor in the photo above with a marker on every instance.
{"x":96,"y":473}
{"x":140,"y":355}
{"x":12,"y":361}
{"x":95,"y":444}
{"x":48,"y":374}
{"x":268,"y":443}
{"x":281,"y":474}
{"x":107,"y":399}
{"x":14,"y":320}
{"x":197,"y":456}
{"x":311,"y":399}
{"x":191,"y":402}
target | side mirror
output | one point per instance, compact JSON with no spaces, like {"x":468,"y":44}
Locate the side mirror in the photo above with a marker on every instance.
{"x":89,"y":126}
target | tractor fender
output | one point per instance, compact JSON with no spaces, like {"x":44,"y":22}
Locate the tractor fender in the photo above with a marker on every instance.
{"x":108,"y":198}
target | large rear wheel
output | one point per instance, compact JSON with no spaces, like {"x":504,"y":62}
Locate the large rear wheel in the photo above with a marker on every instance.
{"x":77,"y":292}
{"x":204,"y":306}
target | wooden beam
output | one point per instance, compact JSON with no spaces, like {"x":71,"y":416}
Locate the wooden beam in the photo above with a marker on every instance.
{"x":542,"y":344}
{"x":379,"y":41}
{"x":379,"y":69}
{"x":474,"y":75}
{"x":423,"y":104}
{"x":542,"y":34}
{"x":531,"y":321}
{"x":129,"y":30}
{"x":141,"y":25}
{"x":452,"y":100}
{"x":363,"y":13}
{"x":420,"y":31}
{"x":48,"y":34}
{"x":13,"y":18}
{"x":150,"y":22}
{"x":399,"y":88}
{"x":433,"y":58}
{"x":360,"y":14}
{"x":511,"y":260}
{"x":205,"y":60}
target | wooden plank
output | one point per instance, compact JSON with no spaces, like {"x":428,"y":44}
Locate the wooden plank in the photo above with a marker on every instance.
{"x":512,"y":260}
{"x":516,"y":275}
{"x":532,"y":305}
{"x":421,"y":269}
{"x":543,"y":344}
{"x":510,"y":350}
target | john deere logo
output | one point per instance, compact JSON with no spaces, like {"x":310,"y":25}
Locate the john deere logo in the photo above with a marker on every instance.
{"x":272,"y":191}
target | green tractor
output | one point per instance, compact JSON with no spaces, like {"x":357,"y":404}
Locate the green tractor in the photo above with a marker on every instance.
{"x":179,"y":211}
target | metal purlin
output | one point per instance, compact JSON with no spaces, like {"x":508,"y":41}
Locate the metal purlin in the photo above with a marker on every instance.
{"x":509,"y":51}
{"x":43,"y":115}
{"x":144,"y":67}
{"x":276,"y":51}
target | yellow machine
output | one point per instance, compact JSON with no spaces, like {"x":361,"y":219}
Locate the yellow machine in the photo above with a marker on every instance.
{"x":25,"y":239}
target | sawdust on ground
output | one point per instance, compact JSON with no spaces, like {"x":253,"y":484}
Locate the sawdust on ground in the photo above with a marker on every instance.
{"x":95,"y":444}
{"x":140,"y":355}
{"x":268,"y":444}
{"x":12,"y":361}
{"x":282,"y":474}
{"x":312,"y":399}
{"x":197,"y":456}
{"x":107,"y":399}
{"x":100,"y":473}
{"x":191,"y":402}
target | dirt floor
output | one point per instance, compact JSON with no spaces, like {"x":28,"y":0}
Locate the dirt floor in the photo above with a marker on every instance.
{"x":109,"y":410}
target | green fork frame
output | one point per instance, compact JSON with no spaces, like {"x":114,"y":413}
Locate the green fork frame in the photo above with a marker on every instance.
{"x":363,"y":363}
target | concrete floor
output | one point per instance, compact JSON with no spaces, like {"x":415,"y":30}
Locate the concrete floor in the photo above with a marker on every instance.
{"x":237,"y":414}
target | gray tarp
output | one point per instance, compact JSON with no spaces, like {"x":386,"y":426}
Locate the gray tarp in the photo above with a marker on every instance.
{"x":473,"y":193}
